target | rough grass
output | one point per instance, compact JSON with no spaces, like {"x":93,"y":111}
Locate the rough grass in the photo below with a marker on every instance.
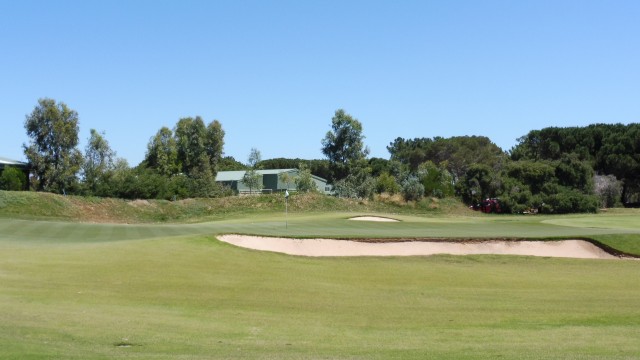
{"x":31,"y":205}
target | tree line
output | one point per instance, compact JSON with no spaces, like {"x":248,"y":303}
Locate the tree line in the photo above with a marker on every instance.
{"x":182,"y":162}
{"x":553,"y":170}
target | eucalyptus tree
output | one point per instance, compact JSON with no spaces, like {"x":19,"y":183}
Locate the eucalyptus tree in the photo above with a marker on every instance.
{"x":190,"y":134}
{"x":162,"y":152}
{"x":344,"y":145}
{"x":251,"y":177}
{"x":214,"y":145}
{"x":52,"y":151}
{"x":98,"y":160}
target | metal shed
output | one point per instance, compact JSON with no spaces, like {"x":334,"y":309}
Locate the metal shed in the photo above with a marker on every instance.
{"x":271,"y":181}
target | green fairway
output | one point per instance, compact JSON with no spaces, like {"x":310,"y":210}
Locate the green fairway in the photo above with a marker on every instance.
{"x":99,"y":291}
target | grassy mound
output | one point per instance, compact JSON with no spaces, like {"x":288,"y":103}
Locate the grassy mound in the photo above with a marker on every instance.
{"x":32,"y":205}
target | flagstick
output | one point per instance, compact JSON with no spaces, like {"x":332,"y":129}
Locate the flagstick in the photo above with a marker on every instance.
{"x":286,"y":209}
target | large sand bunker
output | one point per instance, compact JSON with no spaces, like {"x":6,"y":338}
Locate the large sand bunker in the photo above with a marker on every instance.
{"x":328,"y":247}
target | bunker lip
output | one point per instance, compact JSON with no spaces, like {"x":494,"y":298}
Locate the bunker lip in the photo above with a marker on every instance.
{"x":573,"y":248}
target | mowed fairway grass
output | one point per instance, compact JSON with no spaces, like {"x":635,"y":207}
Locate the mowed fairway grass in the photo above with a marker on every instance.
{"x":100,"y":291}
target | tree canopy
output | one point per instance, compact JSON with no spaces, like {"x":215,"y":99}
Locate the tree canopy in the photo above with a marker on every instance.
{"x":460,"y":152}
{"x":554,"y":170}
{"x":344,"y":145}
{"x":609,"y":149}
{"x":98,"y":160}
{"x":53,"y":131}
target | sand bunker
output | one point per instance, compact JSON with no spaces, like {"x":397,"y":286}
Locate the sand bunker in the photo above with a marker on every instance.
{"x":328,"y":247}
{"x":373,"y":218}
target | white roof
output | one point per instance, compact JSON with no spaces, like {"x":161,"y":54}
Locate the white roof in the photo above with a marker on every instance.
{"x":238,"y":174}
{"x":5,"y":161}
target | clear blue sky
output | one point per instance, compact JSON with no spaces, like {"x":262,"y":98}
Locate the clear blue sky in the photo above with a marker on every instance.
{"x":274,"y":72}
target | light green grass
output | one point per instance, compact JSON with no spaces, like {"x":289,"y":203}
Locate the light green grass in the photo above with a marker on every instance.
{"x":172,"y":291}
{"x":196,"y":298}
{"x":622,"y":234}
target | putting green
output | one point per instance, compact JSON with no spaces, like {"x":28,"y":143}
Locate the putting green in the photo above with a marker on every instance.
{"x":610,"y":222}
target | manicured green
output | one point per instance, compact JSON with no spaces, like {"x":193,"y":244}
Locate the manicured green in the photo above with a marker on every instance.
{"x":74,"y":290}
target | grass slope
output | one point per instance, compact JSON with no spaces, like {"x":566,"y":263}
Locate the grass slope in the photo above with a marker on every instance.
{"x":620,"y":232}
{"x":31,"y":205}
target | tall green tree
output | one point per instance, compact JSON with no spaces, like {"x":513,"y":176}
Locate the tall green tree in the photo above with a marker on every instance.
{"x":343,"y":145}
{"x":214,"y":145}
{"x":190,"y":136}
{"x":162,"y":153}
{"x":98,"y":160}
{"x":53,"y":131}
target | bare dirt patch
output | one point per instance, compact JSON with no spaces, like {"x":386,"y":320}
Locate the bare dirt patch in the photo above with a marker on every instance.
{"x":139,"y":203}
{"x":329,"y":247}
{"x":373,"y":218}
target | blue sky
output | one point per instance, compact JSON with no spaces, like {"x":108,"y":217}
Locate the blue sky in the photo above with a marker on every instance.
{"x":274,"y":72}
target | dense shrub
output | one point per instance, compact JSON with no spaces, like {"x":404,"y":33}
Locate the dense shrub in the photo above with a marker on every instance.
{"x":12,"y":179}
{"x":412,"y":189}
{"x":570,"y":201}
{"x":385,"y":183}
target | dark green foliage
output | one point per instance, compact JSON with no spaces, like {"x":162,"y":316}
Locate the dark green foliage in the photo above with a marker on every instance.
{"x":12,"y":179}
{"x":565,"y":200}
{"x":228,"y":163}
{"x":437,"y":180}
{"x":145,"y":183}
{"x":386,"y":183}
{"x":191,"y":148}
{"x":379,"y":166}
{"x":532,"y":175}
{"x":478,"y":183}
{"x":572,"y":172}
{"x":607,"y":149}
{"x":459,"y":152}
{"x":188,"y":158}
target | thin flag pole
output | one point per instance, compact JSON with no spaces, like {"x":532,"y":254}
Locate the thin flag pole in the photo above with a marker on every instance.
{"x":286,"y":209}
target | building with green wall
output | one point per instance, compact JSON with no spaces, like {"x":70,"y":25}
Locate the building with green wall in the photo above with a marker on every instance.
{"x":271,"y":181}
